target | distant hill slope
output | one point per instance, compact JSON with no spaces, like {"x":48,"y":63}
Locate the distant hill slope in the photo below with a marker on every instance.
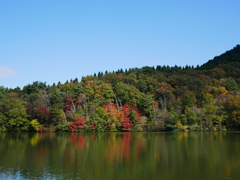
{"x":228,"y":57}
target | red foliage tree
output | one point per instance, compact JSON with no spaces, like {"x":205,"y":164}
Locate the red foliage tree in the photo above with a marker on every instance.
{"x":138,"y":113}
{"x":126,"y":124}
{"x":70,"y":108}
{"x":126,"y":110}
{"x":126,"y":115}
{"x":77,"y":125}
{"x":42,"y":114}
{"x":70,"y":104}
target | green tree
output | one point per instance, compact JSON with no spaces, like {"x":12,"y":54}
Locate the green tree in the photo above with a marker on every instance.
{"x":231,"y":84}
{"x":191,"y":116}
{"x":127,"y":94}
{"x":13,"y":115}
{"x":57,"y":98}
{"x":34,"y":87}
{"x":146,"y":104}
{"x":189,"y":99}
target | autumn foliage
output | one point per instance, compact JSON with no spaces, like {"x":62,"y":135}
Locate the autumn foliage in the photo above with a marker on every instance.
{"x":126,"y":124}
{"x":122,"y":114}
{"x":205,"y":97}
{"x":77,"y":125}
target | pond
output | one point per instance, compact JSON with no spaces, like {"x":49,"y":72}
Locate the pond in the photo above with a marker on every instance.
{"x":128,"y":155}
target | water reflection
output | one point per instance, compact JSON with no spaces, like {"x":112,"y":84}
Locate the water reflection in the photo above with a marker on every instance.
{"x":184,"y":155}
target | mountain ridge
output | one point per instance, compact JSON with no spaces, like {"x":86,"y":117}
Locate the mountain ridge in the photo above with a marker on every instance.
{"x":229,"y":56}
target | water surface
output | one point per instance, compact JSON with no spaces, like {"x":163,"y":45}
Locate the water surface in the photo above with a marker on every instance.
{"x":108,"y":156}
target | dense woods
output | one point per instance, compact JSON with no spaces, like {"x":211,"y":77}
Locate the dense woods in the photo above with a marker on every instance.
{"x":205,"y":97}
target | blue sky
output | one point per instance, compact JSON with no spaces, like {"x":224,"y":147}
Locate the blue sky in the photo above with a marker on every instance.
{"x":56,"y":40}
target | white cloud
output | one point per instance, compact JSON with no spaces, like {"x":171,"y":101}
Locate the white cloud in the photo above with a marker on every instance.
{"x":6,"y":72}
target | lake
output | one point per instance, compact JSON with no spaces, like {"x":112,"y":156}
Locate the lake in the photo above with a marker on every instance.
{"x":117,"y":156}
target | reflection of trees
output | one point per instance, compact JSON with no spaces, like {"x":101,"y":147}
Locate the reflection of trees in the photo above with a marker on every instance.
{"x":112,"y":150}
{"x":121,"y":155}
{"x":118,"y":147}
{"x":77,"y":139}
{"x":126,"y":141}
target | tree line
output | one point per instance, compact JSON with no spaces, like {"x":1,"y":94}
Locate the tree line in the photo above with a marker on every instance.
{"x":157,"y":98}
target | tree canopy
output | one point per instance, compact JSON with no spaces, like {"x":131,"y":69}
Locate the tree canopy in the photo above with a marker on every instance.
{"x":176,"y":98}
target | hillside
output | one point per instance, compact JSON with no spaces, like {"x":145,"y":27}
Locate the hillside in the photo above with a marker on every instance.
{"x":138,"y":99}
{"x":228,"y":57}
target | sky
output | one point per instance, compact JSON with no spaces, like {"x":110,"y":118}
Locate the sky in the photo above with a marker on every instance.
{"x":59,"y":40}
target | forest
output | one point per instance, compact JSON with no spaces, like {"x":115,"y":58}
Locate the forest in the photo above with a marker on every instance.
{"x":161,"y":98}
